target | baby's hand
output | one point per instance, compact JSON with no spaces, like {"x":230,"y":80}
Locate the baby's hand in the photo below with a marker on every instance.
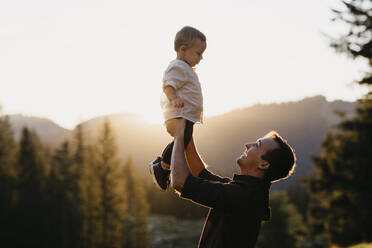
{"x":177,"y":102}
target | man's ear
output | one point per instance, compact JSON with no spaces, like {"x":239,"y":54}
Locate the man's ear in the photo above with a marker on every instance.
{"x":264,"y":165}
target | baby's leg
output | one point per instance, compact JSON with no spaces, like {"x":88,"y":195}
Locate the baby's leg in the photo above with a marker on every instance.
{"x":167,"y":153}
{"x":166,"y":156}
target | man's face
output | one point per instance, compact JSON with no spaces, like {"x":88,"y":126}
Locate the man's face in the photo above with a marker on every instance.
{"x":251,"y":157}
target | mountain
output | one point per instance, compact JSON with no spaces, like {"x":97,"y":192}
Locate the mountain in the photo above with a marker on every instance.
{"x":303,"y":124}
{"x":49,"y":132}
{"x":220,"y":140}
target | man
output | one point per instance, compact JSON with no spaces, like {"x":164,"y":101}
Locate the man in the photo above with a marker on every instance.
{"x":237,"y":206}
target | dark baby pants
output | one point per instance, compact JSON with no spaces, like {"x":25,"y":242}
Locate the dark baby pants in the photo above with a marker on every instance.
{"x":167,"y":153}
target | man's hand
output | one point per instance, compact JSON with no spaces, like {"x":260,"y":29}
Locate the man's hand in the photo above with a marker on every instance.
{"x":176,"y":127}
{"x":177,"y":102}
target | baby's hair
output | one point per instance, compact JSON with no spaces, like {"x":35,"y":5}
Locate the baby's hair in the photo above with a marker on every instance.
{"x":186,"y":36}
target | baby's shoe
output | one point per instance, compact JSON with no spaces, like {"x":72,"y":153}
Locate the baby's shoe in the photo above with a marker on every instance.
{"x":160,"y":176}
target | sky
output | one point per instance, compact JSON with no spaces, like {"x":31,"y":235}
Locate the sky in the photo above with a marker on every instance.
{"x":72,"y":60}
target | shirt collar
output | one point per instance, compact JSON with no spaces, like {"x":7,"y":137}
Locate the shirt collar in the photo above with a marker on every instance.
{"x":183,"y":62}
{"x":251,"y":180}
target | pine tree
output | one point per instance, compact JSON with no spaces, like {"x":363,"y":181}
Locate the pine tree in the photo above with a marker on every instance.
{"x":31,"y":176}
{"x":135,"y":233}
{"x":299,"y":197}
{"x":285,"y":227}
{"x":64,"y":229}
{"x":340,"y":199}
{"x":86,"y":192}
{"x":7,"y":181}
{"x":113,"y":203}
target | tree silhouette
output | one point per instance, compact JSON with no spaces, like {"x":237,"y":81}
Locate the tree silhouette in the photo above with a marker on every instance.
{"x":113,"y":204}
{"x":285,"y":227}
{"x":340,"y":199}
{"x":63,"y":215}
{"x":31,"y":177}
{"x":87,"y":191}
{"x":8,"y":150}
{"x":135,"y":233}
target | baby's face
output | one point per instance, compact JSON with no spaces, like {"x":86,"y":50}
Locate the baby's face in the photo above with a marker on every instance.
{"x":192,"y":55}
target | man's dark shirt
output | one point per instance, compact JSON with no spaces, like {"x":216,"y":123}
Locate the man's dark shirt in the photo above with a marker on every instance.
{"x":237,"y":208}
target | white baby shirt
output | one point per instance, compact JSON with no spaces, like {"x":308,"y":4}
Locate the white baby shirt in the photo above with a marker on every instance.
{"x":184,"y":80}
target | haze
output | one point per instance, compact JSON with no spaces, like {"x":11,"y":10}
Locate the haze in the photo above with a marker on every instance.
{"x":70,"y":61}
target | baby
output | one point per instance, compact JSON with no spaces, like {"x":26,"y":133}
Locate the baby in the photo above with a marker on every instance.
{"x":182,"y":96}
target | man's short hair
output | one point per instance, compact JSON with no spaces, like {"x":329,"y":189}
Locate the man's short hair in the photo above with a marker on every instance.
{"x":282,"y":159}
{"x":186,"y":37}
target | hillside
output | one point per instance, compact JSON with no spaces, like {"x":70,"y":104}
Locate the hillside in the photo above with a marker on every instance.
{"x":302,"y":123}
{"x":48,"y":131}
{"x":220,"y":140}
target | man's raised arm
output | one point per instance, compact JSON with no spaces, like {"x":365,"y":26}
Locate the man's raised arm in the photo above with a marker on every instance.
{"x":194,"y":161}
{"x":179,"y":168}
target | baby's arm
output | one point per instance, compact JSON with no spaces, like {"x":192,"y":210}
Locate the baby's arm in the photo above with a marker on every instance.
{"x":171,"y":94}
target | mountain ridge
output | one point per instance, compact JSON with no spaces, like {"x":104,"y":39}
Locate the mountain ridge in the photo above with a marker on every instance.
{"x":303,"y":123}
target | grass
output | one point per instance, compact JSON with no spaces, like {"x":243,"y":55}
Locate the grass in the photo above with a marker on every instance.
{"x":170,"y":232}
{"x":364,"y":245}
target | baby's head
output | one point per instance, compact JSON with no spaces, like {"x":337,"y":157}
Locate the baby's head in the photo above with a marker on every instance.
{"x":190,"y":44}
